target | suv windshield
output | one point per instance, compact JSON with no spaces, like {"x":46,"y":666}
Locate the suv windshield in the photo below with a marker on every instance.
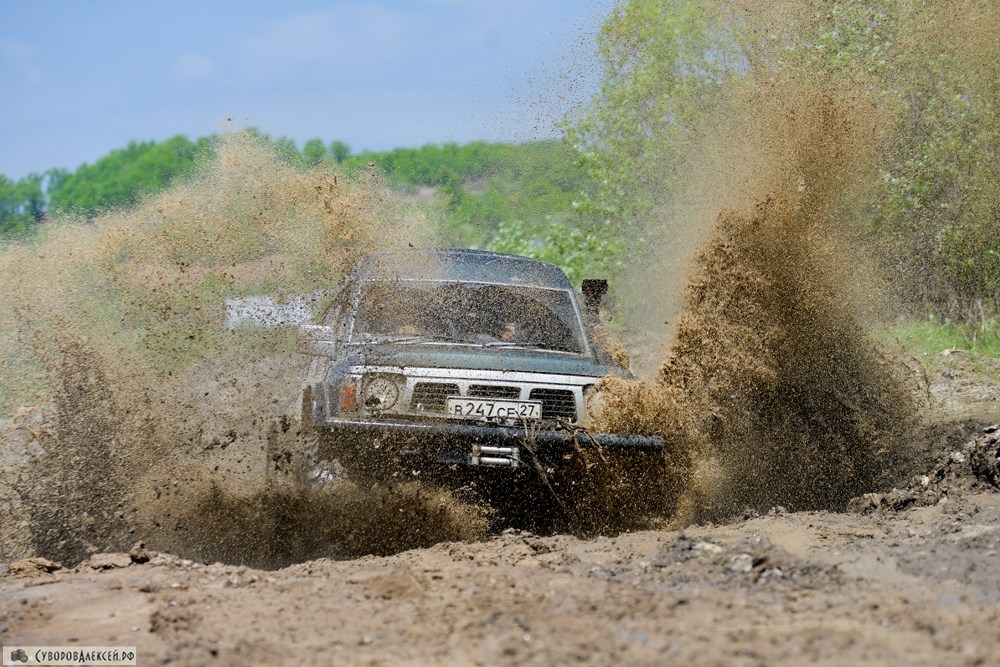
{"x":470,"y":313}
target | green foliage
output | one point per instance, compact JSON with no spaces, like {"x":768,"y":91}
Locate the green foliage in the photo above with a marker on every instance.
{"x":583,"y":251}
{"x":119,"y":178}
{"x":478,"y":185}
{"x":22,"y":206}
{"x":940,"y":345}
{"x":664,"y":66}
{"x":339,"y":151}
{"x":935,"y":214}
{"x":490,"y":193}
{"x":434,"y":164}
{"x":313,"y":152}
{"x":123,"y":176}
{"x":932,"y":336}
{"x":939,"y":206}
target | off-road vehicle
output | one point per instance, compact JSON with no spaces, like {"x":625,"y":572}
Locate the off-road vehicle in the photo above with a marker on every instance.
{"x":439,"y":361}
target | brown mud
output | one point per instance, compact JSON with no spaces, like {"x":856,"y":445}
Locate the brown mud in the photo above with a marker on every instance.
{"x":158,"y":414}
{"x":773,"y":392}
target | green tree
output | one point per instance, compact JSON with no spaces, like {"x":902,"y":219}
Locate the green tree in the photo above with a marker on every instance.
{"x":664,"y":64}
{"x":339,"y":150}
{"x":286,"y":149}
{"x":22,"y":205}
{"x":313,"y":152}
{"x":119,"y":178}
{"x":938,"y":208}
{"x":932,"y":217}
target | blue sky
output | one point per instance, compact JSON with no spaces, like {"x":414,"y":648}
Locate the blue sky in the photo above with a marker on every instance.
{"x":82,"y":78}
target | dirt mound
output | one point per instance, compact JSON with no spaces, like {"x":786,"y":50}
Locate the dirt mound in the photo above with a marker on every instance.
{"x":973,"y":468}
{"x":32,"y":567}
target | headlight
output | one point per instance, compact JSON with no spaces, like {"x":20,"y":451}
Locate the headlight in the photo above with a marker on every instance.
{"x":592,"y":403}
{"x":380,"y":393}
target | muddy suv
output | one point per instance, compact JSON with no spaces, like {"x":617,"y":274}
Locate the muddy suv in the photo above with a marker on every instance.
{"x":430,"y":361}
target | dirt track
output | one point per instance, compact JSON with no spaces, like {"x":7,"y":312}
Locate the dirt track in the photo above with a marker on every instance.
{"x":914,"y":581}
{"x":920,"y":588}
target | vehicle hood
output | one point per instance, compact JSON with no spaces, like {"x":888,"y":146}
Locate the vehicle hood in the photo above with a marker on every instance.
{"x":476,"y":358}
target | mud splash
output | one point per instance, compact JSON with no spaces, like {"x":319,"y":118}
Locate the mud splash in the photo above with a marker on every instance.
{"x":773,"y":392}
{"x":118,"y":322}
{"x":281,"y":525}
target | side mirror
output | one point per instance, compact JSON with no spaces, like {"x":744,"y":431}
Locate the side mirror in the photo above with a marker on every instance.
{"x":316,"y":339}
{"x":594,"y":290}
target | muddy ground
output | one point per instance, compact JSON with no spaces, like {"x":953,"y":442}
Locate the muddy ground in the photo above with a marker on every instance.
{"x":907,"y":576}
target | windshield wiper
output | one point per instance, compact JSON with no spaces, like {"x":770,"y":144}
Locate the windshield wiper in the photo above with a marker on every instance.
{"x":403,"y":339}
{"x":524,"y":344}
{"x":406,"y":339}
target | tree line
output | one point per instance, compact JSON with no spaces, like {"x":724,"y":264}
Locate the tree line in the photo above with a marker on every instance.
{"x":516,"y":197}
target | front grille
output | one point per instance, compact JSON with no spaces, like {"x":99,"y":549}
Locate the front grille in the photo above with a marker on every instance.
{"x":556,"y":403}
{"x":430,"y":396}
{"x":493,"y":391}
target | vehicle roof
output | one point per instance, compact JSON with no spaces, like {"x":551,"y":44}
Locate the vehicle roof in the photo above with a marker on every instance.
{"x":461,"y":265}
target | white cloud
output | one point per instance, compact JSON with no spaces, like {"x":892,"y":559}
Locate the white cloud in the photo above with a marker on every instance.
{"x":192,"y":68}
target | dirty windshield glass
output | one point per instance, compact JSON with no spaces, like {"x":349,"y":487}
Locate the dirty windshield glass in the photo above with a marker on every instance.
{"x":469,"y":313}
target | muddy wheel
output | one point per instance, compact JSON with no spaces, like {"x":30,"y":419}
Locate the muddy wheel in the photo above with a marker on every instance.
{"x":527,"y":501}
{"x":613,"y":491}
{"x":306,"y":454}
{"x":296,"y":455}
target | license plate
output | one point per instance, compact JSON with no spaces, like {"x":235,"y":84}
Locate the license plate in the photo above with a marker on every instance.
{"x":493,"y":408}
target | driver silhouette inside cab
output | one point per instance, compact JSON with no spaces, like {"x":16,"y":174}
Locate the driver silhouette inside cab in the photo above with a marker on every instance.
{"x":511,"y":332}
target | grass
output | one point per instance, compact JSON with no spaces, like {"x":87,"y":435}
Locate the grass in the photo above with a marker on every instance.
{"x":934,"y":343}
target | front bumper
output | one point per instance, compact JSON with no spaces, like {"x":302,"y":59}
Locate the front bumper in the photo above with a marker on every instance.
{"x":479,"y":445}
